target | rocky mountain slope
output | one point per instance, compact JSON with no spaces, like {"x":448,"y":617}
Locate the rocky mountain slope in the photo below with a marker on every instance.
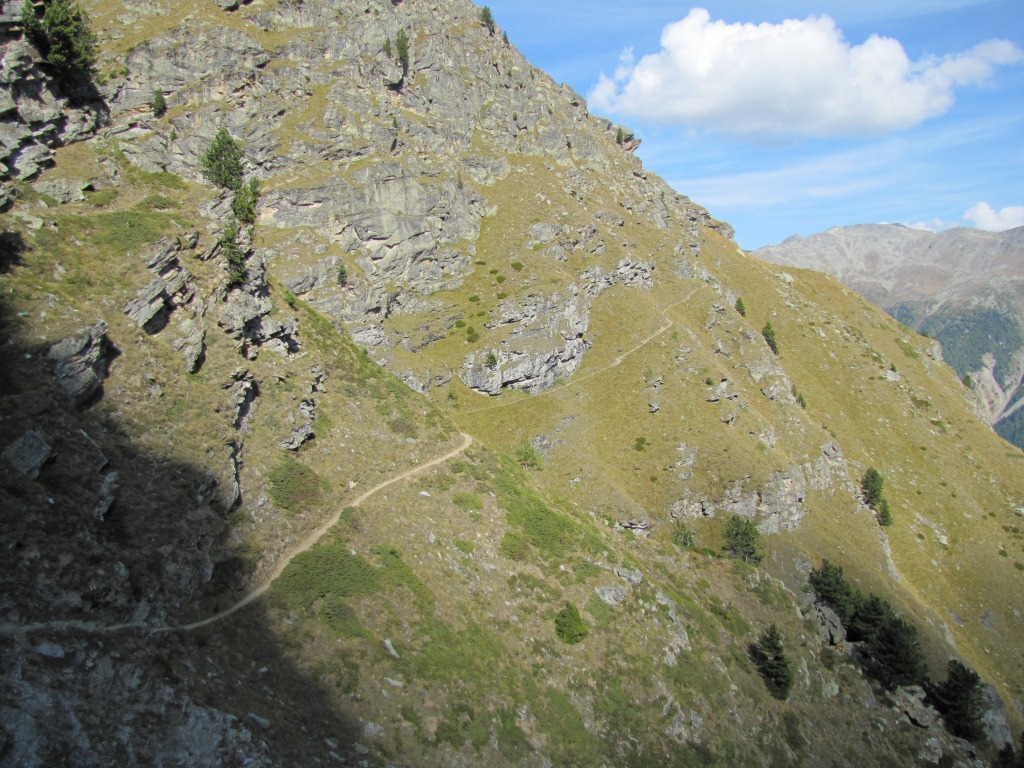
{"x":243,"y":527}
{"x":964,"y":287}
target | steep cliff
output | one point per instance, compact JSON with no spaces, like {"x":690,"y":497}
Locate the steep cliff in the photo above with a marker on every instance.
{"x":242,"y":518}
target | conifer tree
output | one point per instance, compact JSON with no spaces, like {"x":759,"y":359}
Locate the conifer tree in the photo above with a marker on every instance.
{"x":402,"y":49}
{"x":742,"y":539}
{"x":222,"y":162}
{"x":959,"y":700}
{"x":771,"y":661}
{"x":872,"y":484}
{"x":64,"y":37}
{"x":769,"y":336}
{"x":831,"y":588}
{"x":896,"y":654}
{"x":487,"y":18}
{"x":741,"y":308}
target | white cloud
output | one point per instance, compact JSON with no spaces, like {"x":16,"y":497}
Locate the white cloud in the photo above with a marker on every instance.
{"x":797,"y":78}
{"x":932,"y":225}
{"x":986,"y":217}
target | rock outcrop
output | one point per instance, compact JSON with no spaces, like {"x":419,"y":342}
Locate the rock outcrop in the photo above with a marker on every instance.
{"x":82,"y":363}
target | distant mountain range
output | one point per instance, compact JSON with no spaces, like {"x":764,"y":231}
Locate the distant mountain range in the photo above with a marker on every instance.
{"x":964,"y":287}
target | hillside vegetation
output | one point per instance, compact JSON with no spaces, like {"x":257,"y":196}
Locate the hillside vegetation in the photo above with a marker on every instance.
{"x":245,"y":527}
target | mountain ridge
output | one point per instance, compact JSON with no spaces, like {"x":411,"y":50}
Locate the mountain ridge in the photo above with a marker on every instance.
{"x":617,"y":395}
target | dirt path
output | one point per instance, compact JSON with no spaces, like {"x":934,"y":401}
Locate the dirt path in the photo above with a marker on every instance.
{"x":304,"y":546}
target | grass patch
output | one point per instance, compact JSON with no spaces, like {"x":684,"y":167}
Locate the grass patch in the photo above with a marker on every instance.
{"x":294,"y":486}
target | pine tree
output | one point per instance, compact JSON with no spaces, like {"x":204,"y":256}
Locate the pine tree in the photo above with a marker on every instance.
{"x":770,"y":659}
{"x":741,"y":308}
{"x":64,"y":37}
{"x":884,"y":513}
{"x":244,"y":204}
{"x":222,"y":163}
{"x":402,"y":48}
{"x":742,"y":539}
{"x":896,"y":654}
{"x":959,"y":700}
{"x":769,"y":336}
{"x":872,"y":484}
{"x":233,"y":254}
{"x":487,"y":19}
{"x":871,"y":614}
{"x":831,"y":588}
{"x":159,"y":103}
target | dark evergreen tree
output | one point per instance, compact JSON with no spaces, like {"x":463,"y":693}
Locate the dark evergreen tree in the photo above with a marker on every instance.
{"x":222,"y":163}
{"x":960,"y":701}
{"x":233,"y":254}
{"x":870,"y":615}
{"x":831,"y":588}
{"x":742,"y":539}
{"x":770,"y":658}
{"x":871,"y":484}
{"x":769,"y":336}
{"x":487,"y":18}
{"x":159,"y":103}
{"x":884,"y":513}
{"x":741,"y":308}
{"x":895,"y":654}
{"x":64,"y":37}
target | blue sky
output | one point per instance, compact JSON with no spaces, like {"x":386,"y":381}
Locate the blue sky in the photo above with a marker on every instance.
{"x":791,"y":117}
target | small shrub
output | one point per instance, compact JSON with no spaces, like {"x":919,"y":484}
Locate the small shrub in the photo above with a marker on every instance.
{"x":569,"y":625}
{"x":159,"y":103}
{"x":474,"y":298}
{"x":491,"y":361}
{"x":640,"y":444}
{"x":527,"y":456}
{"x":342,"y":276}
{"x":741,"y":308}
{"x":517,"y":266}
{"x":682,"y":536}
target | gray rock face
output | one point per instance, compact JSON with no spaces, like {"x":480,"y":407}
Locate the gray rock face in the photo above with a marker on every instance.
{"x":830,"y":626}
{"x":81,"y":363}
{"x":778,"y":505}
{"x":37,"y":114}
{"x":546,"y":341}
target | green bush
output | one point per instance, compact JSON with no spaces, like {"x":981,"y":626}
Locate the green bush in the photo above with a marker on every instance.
{"x":159,"y":103}
{"x":222,"y":162}
{"x":569,"y":625}
{"x":682,"y":536}
{"x":871,"y":484}
{"x":342,"y":275}
{"x":741,"y":308}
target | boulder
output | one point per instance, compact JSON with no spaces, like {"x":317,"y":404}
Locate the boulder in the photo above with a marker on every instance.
{"x":29,"y":452}
{"x":81,"y":363}
{"x":829,"y":625}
